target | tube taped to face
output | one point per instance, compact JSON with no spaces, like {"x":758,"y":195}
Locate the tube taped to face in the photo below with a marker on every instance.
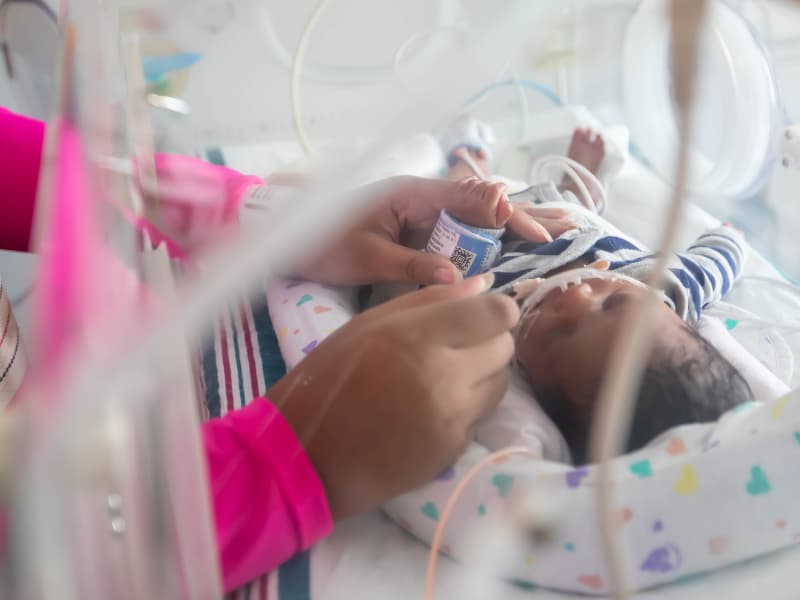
{"x":533,"y":291}
{"x":540,"y":288}
{"x":471,"y":249}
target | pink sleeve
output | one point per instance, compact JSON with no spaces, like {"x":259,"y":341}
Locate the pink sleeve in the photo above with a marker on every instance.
{"x":198,"y":201}
{"x":190,"y":191}
{"x":21,"y":142}
{"x":268,"y":500}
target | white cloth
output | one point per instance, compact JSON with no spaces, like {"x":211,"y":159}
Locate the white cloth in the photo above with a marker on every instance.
{"x":764,"y":384}
{"x":520,"y":421}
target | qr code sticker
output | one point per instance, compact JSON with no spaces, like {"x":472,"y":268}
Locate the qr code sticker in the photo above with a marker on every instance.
{"x":462,"y":259}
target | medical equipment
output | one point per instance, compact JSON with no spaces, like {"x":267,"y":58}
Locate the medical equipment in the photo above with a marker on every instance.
{"x":296,"y":230}
{"x":28,"y":43}
{"x":790,"y":147}
{"x":564,"y":281}
{"x":472,"y":250}
{"x":734,"y":79}
{"x":580,"y":176}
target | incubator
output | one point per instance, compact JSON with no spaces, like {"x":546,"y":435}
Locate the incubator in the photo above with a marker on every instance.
{"x":132,"y":347}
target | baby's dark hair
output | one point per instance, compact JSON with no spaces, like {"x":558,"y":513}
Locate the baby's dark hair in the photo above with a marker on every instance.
{"x":675,"y":391}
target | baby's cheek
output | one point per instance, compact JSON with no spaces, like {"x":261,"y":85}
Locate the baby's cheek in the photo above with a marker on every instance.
{"x":535,"y":364}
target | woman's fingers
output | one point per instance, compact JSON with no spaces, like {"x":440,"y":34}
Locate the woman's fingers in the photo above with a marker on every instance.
{"x":487,"y":358}
{"x":470,"y":321}
{"x":525,"y":226}
{"x":385,"y":260}
{"x":543,"y":211}
{"x":434,"y":295}
{"x":539,"y":223}
{"x":490,"y":390}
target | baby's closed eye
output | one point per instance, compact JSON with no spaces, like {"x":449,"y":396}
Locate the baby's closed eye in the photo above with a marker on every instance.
{"x":617,"y":300}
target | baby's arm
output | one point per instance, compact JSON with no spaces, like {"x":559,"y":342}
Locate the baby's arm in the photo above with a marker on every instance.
{"x":711,"y":265}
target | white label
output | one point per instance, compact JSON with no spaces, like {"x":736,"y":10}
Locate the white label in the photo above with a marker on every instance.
{"x":443,"y":240}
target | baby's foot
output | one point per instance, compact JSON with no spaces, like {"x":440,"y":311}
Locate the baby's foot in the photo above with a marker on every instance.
{"x":468,"y":163}
{"x":467,"y":133}
{"x":587,"y":149}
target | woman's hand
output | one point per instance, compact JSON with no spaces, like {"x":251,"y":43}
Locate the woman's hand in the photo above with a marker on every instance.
{"x":393,"y":397}
{"x":553,"y":220}
{"x":373,"y":250}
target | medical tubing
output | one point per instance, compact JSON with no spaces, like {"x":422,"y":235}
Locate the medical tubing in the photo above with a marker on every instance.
{"x":297,"y":65}
{"x":299,"y":60}
{"x":464,"y":155}
{"x":348,"y":75}
{"x":433,"y":555}
{"x":630,"y":353}
{"x":324,"y":74}
{"x":546,"y":91}
{"x":403,"y":48}
{"x":578,"y":174}
{"x":524,"y":109}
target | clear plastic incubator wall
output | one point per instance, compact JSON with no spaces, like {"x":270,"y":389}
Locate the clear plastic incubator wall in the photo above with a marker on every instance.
{"x":103,"y":485}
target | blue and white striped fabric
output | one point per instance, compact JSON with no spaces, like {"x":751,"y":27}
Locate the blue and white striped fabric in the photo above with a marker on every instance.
{"x":697,"y":278}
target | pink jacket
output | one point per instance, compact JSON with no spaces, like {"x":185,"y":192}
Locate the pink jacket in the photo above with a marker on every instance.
{"x":268,"y":500}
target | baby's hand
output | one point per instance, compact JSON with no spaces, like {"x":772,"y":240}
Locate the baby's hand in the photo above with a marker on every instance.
{"x":483,"y":204}
{"x":539,"y":223}
{"x":479,"y":203}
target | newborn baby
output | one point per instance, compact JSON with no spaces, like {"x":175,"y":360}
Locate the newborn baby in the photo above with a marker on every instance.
{"x":564,"y":336}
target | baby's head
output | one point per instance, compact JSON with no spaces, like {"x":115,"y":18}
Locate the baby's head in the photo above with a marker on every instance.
{"x":563,"y":344}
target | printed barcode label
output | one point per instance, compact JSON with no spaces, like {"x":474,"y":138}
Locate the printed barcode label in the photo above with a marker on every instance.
{"x":462,"y":259}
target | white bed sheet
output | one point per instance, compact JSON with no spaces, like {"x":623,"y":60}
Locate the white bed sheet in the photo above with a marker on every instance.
{"x":369,"y":558}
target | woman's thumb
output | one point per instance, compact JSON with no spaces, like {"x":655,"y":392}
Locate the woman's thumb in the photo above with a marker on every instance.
{"x":407,"y":265}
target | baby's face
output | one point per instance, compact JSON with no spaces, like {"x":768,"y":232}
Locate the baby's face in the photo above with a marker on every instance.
{"x":564,"y":343}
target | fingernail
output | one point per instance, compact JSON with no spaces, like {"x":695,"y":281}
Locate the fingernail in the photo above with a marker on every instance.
{"x":445,"y":276}
{"x":504,"y":211}
{"x":541,"y":229}
{"x":488,"y":280}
